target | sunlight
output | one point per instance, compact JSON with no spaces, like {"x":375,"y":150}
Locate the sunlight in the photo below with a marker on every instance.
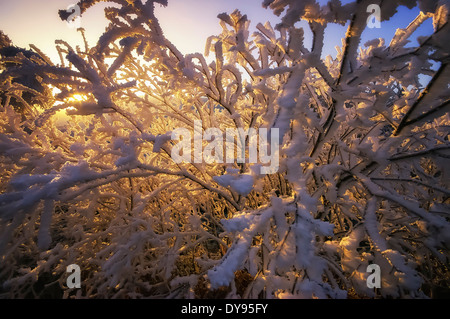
{"x":77,"y":98}
{"x":70,"y":108}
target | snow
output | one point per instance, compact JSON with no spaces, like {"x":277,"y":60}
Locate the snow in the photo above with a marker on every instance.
{"x":223,"y":273}
{"x":44,"y":237}
{"x":371,"y":224}
{"x":358,"y":174}
{"x":240,"y":183}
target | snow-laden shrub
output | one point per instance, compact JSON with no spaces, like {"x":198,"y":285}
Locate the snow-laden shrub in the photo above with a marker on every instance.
{"x":87,"y":177}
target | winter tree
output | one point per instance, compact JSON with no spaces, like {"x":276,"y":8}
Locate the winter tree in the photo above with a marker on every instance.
{"x":88,"y":178}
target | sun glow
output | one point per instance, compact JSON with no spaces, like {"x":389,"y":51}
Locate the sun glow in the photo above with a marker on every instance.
{"x":61,"y":115}
{"x":70,"y":108}
{"x":77,"y":98}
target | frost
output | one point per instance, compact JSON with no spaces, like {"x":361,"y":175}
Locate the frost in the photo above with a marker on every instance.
{"x":88,"y":178}
{"x":240,"y":183}
{"x":44,"y":237}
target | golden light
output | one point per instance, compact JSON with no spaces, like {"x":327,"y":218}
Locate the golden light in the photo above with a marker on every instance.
{"x":77,"y":98}
{"x":61,"y":115}
{"x":70,"y":108}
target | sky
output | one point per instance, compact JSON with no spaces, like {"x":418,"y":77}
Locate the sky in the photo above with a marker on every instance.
{"x":186,"y":23}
